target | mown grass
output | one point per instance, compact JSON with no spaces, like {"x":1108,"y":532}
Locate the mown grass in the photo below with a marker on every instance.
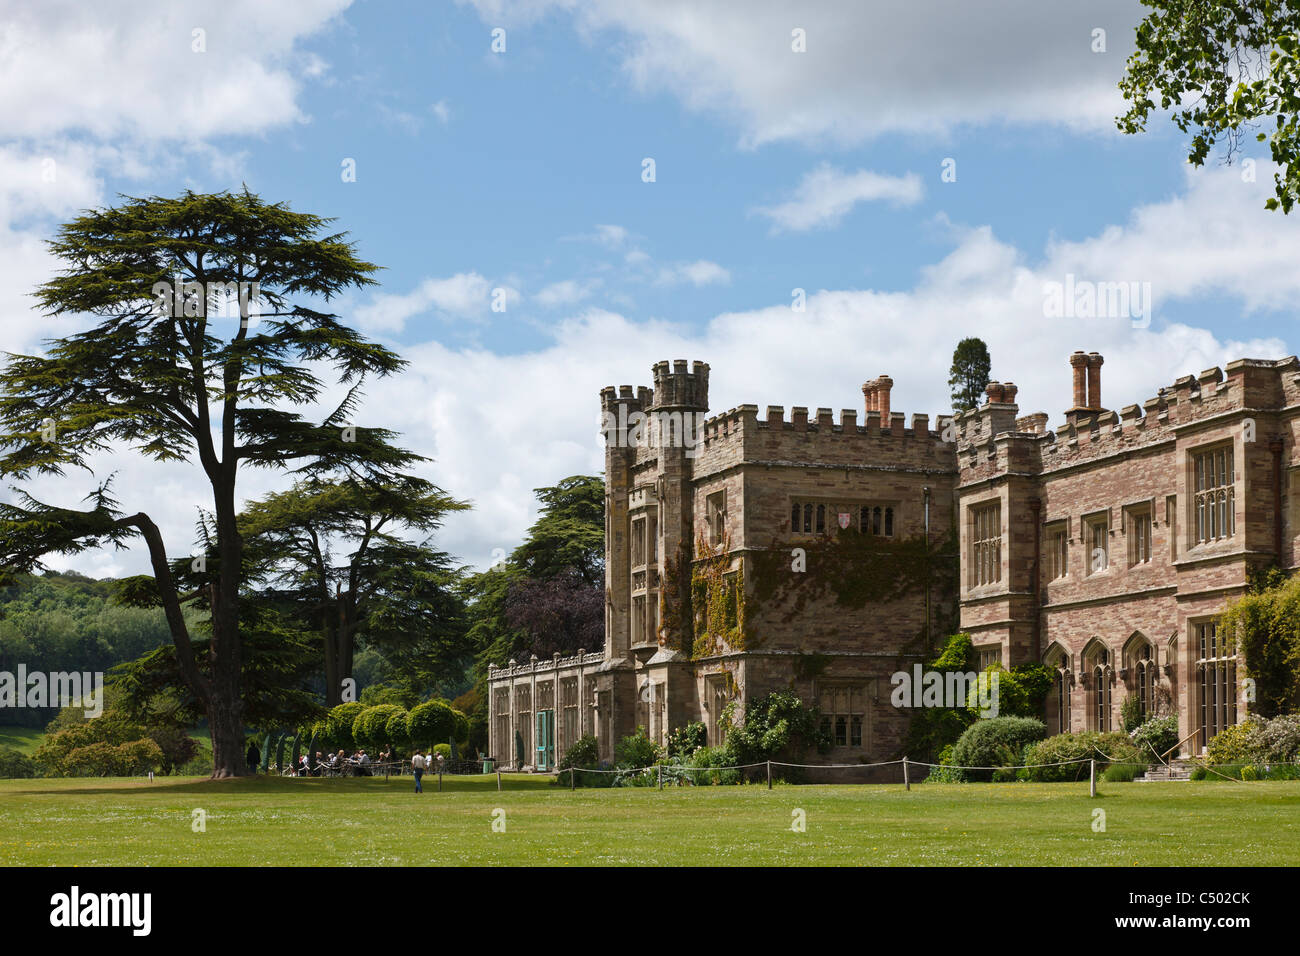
{"x":23,"y":739}
{"x":366,"y":822}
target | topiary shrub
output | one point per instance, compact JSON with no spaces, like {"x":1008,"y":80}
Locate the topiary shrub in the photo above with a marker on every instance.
{"x":338,"y":725}
{"x":370,"y":729}
{"x":432,"y":721}
{"x":995,"y":743}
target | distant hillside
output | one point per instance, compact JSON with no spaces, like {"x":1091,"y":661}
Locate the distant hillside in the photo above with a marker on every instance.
{"x":66,"y":622}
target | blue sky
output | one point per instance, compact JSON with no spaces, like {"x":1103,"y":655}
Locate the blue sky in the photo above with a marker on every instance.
{"x":521,"y":171}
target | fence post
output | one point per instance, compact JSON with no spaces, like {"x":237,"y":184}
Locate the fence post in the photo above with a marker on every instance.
{"x":498,"y":779}
{"x":769,"y":775}
{"x":661,"y":775}
{"x":440,"y":781}
{"x":1092,"y":777}
{"x":572,"y":784}
{"x":907,"y":778}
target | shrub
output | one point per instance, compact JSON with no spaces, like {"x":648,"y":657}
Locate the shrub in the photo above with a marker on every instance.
{"x":395,"y":728}
{"x":1157,"y":734}
{"x":1121,"y":772}
{"x":684,"y":741}
{"x":636,"y":750}
{"x":1086,"y":745}
{"x":1248,"y":772}
{"x":434,"y":720}
{"x":582,"y":753}
{"x":1234,"y":745}
{"x":1279,"y":738}
{"x":1129,"y":715}
{"x":945,"y":772}
{"x":338,"y":726}
{"x":778,"y":725}
{"x":370,"y":729}
{"x":995,"y":742}
{"x":444,"y":749}
{"x":707,"y":758}
{"x":14,"y":764}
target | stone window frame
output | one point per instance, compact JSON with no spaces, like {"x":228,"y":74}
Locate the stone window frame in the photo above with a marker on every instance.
{"x":1058,"y":559}
{"x":1091,"y":523}
{"x":1211,"y":502}
{"x":1210,"y":655}
{"x":1139,"y":540}
{"x":853,"y":718}
{"x":1097,"y":665}
{"x":638,"y":549}
{"x":715,"y":511}
{"x":985,"y":524}
{"x":986,"y":655}
{"x":1058,"y":659}
{"x":819,"y":516}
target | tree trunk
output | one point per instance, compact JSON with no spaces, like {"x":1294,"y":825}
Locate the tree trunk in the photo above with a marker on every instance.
{"x":226,"y":706}
{"x":227,"y":738}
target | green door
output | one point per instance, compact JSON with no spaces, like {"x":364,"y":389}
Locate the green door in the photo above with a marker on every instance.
{"x":545,"y":739}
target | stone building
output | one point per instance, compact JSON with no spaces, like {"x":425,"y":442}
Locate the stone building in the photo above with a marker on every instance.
{"x":1102,"y":549}
{"x":1106,"y":548}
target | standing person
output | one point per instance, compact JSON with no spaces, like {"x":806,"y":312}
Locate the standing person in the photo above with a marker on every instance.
{"x":417,"y":764}
{"x":438,"y":761}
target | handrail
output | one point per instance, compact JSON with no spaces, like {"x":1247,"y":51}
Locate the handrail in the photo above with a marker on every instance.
{"x":1179,"y":744}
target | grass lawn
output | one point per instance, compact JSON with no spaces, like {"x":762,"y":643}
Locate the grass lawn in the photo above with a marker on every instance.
{"x":25,"y":739}
{"x":362,"y":822}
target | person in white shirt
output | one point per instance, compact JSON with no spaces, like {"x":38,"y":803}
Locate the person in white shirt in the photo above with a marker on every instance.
{"x":417,"y":764}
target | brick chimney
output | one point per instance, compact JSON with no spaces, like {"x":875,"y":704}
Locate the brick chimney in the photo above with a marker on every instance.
{"x":883,"y":385}
{"x":1079,"y":362}
{"x":869,"y":397}
{"x":1094,"y":381}
{"x":875,"y":394}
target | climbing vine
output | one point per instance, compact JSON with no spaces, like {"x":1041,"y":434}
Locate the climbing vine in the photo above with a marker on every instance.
{"x":676,"y":616}
{"x":718,"y":600}
{"x":856,"y":570}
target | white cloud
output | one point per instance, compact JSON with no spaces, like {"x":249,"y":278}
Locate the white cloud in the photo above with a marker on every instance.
{"x":870,"y":68}
{"x":698,"y":273}
{"x":826,"y":194}
{"x":111,"y":70}
{"x":466,"y":295}
{"x":442,"y":111}
{"x":566,"y":292}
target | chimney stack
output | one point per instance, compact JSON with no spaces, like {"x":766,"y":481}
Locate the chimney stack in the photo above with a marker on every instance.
{"x":875,"y":394}
{"x":869,"y":397}
{"x":1094,"y":381}
{"x":883,"y":384}
{"x":1079,"y":362}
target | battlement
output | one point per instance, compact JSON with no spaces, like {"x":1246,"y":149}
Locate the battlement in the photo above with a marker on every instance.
{"x":675,"y":387}
{"x":994,"y":436}
{"x":822,"y":437}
